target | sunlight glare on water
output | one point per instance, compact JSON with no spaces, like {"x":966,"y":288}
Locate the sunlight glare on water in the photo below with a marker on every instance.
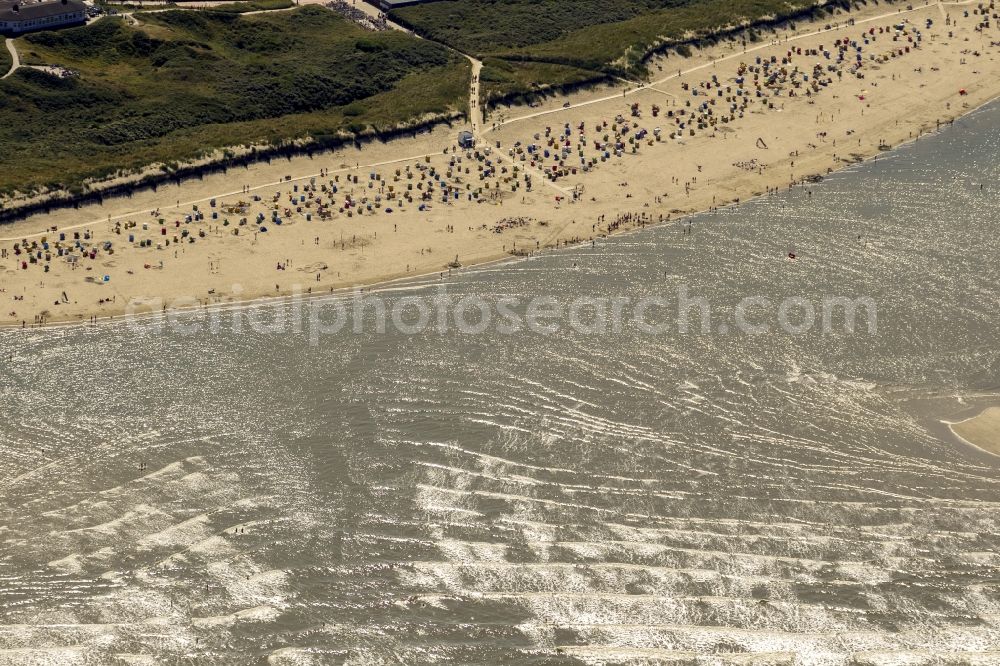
{"x":438,"y":498}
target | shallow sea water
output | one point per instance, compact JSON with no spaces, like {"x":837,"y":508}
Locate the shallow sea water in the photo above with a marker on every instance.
{"x":679,"y":498}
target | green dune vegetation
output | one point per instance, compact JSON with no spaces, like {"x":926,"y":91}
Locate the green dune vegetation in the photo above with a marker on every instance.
{"x":5,"y":60}
{"x":529,"y":44}
{"x":250,"y":6}
{"x":181,"y":84}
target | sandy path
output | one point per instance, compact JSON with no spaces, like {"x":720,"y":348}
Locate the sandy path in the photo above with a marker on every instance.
{"x":15,"y":59}
{"x":475,"y":110}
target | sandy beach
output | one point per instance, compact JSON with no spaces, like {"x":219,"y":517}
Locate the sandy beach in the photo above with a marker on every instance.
{"x":982,"y":431}
{"x":730,"y":126}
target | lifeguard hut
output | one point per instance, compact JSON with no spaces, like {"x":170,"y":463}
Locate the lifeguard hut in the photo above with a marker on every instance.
{"x":466,"y":140}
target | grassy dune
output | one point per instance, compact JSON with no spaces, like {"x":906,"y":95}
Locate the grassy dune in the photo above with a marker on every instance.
{"x":504,"y":78}
{"x":251,"y":6}
{"x":4,"y":58}
{"x":484,"y":27}
{"x":183,"y":83}
{"x":558,"y":41}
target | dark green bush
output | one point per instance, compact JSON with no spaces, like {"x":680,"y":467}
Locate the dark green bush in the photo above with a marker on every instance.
{"x":197,"y":73}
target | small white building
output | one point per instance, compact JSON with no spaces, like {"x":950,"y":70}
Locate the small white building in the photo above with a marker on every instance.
{"x":17,"y":17}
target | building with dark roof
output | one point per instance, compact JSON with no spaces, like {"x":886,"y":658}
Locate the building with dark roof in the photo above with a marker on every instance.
{"x":17,"y":17}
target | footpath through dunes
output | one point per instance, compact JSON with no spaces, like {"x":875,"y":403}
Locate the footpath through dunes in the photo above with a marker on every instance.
{"x":14,"y":58}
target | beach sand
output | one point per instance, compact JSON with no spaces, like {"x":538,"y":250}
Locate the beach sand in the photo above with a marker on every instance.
{"x":981,"y":431}
{"x":902,"y":96}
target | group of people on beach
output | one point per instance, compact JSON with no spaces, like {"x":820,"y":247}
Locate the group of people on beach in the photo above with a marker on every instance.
{"x":487,"y":173}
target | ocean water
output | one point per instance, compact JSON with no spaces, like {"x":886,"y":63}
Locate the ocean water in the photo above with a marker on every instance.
{"x":242,"y":497}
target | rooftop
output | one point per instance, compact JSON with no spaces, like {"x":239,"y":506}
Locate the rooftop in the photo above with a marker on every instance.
{"x":27,"y":11}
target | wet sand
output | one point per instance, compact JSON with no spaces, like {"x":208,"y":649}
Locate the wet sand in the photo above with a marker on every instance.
{"x":981,"y":431}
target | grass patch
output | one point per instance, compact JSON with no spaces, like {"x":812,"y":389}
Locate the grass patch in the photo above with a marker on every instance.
{"x":512,"y":80}
{"x":184,"y":83}
{"x":621,"y":47}
{"x":614,"y":37}
{"x":252,"y":6}
{"x":483,"y":27}
{"x":5,"y":60}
